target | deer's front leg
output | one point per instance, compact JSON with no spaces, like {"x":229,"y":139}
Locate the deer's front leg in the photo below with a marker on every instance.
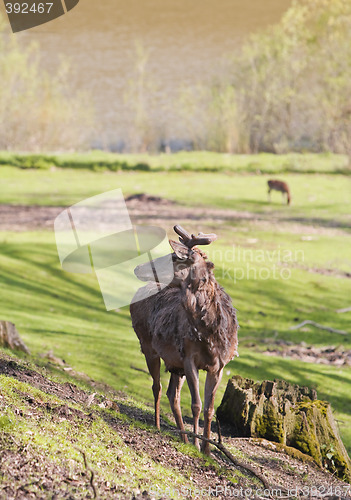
{"x":192,"y":377}
{"x":154,"y":363}
{"x":212,"y":382}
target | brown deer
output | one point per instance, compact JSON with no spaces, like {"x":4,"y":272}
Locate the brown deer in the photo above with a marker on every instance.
{"x":274,"y":185}
{"x":191,"y":324}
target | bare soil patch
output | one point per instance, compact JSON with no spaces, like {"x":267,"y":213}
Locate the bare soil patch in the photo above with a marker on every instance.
{"x":328,"y":355}
{"x":147,"y":209}
{"x":142,"y":209}
{"x":330,"y":272}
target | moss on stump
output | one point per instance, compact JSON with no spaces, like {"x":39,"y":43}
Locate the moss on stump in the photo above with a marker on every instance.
{"x":286,"y":414}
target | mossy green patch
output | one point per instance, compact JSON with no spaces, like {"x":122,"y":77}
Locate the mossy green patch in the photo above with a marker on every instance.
{"x":270,"y":426}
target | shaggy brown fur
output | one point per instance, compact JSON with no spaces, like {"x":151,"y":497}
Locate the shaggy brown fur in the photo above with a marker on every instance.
{"x":191,"y":324}
{"x":274,"y":185}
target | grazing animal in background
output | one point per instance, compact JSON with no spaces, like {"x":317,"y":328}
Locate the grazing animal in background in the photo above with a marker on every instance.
{"x":274,"y":185}
{"x":190,"y":324}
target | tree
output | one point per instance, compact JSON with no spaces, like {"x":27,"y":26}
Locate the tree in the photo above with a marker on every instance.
{"x":39,"y":111}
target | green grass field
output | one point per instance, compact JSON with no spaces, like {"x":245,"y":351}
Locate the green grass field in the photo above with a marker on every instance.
{"x":198,"y":161}
{"x":65,"y":312}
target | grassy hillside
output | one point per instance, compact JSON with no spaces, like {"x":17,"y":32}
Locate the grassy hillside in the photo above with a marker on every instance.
{"x":58,"y":437}
{"x":62,"y":312}
{"x":65,"y":313}
{"x":67,"y":436}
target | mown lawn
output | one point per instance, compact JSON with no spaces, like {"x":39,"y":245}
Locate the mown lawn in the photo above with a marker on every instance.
{"x":63,"y":312}
{"x":320,"y":198}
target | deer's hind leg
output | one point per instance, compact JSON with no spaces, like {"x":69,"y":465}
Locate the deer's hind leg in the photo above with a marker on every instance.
{"x":192,"y":377}
{"x":173,"y":393}
{"x":153,"y":362}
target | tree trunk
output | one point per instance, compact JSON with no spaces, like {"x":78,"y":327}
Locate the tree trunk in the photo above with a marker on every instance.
{"x":287,"y":414}
{"x":9,"y":337}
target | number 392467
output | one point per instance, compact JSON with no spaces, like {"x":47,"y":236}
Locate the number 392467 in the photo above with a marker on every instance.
{"x":25,"y":8}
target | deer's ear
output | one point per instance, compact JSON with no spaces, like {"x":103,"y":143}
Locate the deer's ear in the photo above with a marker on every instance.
{"x":181,"y":251}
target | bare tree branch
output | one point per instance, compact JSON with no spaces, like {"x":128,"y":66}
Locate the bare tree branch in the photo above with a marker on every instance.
{"x":317,"y":325}
{"x":344,"y":310}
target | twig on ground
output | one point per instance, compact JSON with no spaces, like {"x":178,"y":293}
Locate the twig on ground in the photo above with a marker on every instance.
{"x":88,"y":469}
{"x":139,"y":369}
{"x":344,"y":310}
{"x":25,"y":463}
{"x":317,"y":325}
{"x":234,"y":460}
{"x":70,"y":386}
{"x":219,"y":431}
{"x":91,"y":399}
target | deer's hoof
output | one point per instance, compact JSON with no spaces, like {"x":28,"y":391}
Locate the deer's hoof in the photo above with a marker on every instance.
{"x":185,"y":438}
{"x":206,"y":450}
{"x":197,"y":444}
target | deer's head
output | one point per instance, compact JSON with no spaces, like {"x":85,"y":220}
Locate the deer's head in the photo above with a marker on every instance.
{"x":189,"y":263}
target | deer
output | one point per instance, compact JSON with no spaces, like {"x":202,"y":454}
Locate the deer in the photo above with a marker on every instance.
{"x":190,"y":324}
{"x":274,"y":185}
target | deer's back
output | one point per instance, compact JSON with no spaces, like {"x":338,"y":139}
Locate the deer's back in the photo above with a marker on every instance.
{"x":164,"y":323}
{"x":278,"y":186}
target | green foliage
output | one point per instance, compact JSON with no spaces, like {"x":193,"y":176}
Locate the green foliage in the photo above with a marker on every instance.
{"x":287,"y":89}
{"x":38,"y":110}
{"x":7,"y":422}
{"x":139,"y":98}
{"x":199,"y":161}
{"x":210,"y":117}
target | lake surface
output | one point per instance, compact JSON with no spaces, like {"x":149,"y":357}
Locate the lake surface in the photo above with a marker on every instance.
{"x":186,"y":41}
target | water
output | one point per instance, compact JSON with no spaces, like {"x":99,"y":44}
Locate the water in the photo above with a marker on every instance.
{"x":186,"y":41}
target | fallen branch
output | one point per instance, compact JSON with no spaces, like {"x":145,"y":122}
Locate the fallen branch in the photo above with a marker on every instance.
{"x":317,"y":325}
{"x":139,"y":369}
{"x":88,"y":469}
{"x":219,"y":431}
{"x":344,"y":310}
{"x":91,"y":398}
{"x":235,"y":461}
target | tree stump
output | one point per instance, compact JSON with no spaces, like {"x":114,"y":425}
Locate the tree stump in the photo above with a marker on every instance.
{"x":287,"y":414}
{"x":9,"y":337}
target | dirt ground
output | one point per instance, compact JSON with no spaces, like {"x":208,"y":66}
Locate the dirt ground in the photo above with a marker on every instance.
{"x":163,"y":212}
{"x":328,"y":355}
{"x":27,"y":475}
{"x":145,"y":209}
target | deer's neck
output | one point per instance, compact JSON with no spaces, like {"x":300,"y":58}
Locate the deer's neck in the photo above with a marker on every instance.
{"x":201,"y":301}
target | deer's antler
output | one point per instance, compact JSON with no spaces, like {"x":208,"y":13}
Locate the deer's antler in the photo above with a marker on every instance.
{"x":191,"y":241}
